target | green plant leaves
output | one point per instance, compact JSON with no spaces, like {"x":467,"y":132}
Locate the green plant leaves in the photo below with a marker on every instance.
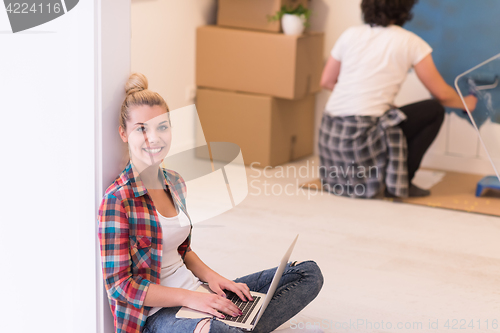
{"x":299,"y":10}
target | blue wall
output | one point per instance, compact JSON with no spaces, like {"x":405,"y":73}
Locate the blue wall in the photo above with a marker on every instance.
{"x":463,"y":33}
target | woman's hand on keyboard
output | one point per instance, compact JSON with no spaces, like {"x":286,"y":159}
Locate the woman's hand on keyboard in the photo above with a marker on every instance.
{"x":218,"y":284}
{"x":212,"y":304}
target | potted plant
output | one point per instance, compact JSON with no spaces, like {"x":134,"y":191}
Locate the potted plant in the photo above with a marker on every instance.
{"x":293,"y":20}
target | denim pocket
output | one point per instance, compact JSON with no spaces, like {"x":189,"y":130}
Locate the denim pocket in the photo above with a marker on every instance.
{"x":140,"y":251}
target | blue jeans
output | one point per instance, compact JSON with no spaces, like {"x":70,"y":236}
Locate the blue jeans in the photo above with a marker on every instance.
{"x":298,"y":286}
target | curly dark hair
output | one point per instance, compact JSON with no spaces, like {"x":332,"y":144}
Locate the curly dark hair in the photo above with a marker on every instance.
{"x":386,"y":12}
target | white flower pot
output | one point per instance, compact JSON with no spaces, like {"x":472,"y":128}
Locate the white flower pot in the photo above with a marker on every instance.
{"x":293,"y":24}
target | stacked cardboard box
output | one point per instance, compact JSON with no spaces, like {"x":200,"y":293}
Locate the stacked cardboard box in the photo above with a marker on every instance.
{"x":253,"y":14}
{"x":257,"y":89}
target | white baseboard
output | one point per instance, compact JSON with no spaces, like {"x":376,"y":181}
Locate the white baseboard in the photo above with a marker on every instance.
{"x":457,"y":163}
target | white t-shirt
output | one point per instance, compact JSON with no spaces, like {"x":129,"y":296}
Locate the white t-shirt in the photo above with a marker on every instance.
{"x":174,"y":272}
{"x":374,"y":64}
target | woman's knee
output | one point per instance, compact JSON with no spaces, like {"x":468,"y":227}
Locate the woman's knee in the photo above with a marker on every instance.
{"x":313,"y":273}
{"x":203,"y":326}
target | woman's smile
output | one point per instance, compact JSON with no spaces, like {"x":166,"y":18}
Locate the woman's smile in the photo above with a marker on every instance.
{"x":148,"y":135}
{"x":152,"y":150}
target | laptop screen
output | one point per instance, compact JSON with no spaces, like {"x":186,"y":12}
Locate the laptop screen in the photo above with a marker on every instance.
{"x":483,"y":81}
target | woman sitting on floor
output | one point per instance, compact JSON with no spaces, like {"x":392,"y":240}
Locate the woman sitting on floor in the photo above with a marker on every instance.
{"x":366,"y":144}
{"x":148,"y":266}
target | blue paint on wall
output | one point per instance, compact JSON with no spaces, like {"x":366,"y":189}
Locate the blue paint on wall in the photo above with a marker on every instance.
{"x":463,"y":33}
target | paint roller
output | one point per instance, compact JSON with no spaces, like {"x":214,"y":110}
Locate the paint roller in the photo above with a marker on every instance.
{"x":481,"y":81}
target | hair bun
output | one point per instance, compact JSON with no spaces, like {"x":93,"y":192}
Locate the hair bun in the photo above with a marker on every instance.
{"x":135,"y":83}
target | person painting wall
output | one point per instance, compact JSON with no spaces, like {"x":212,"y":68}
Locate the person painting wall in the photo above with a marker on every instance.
{"x":377,"y":147}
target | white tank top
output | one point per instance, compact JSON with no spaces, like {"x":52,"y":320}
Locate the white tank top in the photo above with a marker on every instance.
{"x":174,"y":272}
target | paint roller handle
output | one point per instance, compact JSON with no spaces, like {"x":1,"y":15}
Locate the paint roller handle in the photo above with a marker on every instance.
{"x":474,"y":88}
{"x":472,"y":92}
{"x":470,"y":102}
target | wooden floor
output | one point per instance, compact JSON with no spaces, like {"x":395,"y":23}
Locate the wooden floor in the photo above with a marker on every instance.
{"x":456,"y":191}
{"x":384,"y":264}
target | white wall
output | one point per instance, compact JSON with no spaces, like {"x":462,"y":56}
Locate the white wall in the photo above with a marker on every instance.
{"x":111,"y":72}
{"x":48,"y":181}
{"x":163,"y":48}
{"x":61,"y":88}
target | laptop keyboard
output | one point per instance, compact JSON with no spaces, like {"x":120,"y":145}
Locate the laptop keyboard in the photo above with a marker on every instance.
{"x":245,"y":307}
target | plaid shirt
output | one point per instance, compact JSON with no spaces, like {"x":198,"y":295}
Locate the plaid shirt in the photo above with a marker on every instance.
{"x":131,"y":244}
{"x":358,"y":154}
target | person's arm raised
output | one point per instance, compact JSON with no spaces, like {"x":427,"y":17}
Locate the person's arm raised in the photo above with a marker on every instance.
{"x":431,"y":78}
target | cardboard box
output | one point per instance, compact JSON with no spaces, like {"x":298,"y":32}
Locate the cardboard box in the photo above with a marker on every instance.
{"x":270,"y":131}
{"x":253,"y":14}
{"x":259,"y":62}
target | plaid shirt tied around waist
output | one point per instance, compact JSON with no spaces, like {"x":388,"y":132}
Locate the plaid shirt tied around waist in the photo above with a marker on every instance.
{"x":131,"y":239}
{"x":359,"y":154}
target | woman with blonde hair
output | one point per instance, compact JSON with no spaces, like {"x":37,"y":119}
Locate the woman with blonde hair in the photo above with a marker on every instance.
{"x":149,"y":268}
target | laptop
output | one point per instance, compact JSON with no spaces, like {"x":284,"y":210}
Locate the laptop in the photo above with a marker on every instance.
{"x":252,"y":310}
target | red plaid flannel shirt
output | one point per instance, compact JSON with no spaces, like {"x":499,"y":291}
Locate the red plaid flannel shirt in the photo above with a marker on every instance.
{"x":131,"y":238}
